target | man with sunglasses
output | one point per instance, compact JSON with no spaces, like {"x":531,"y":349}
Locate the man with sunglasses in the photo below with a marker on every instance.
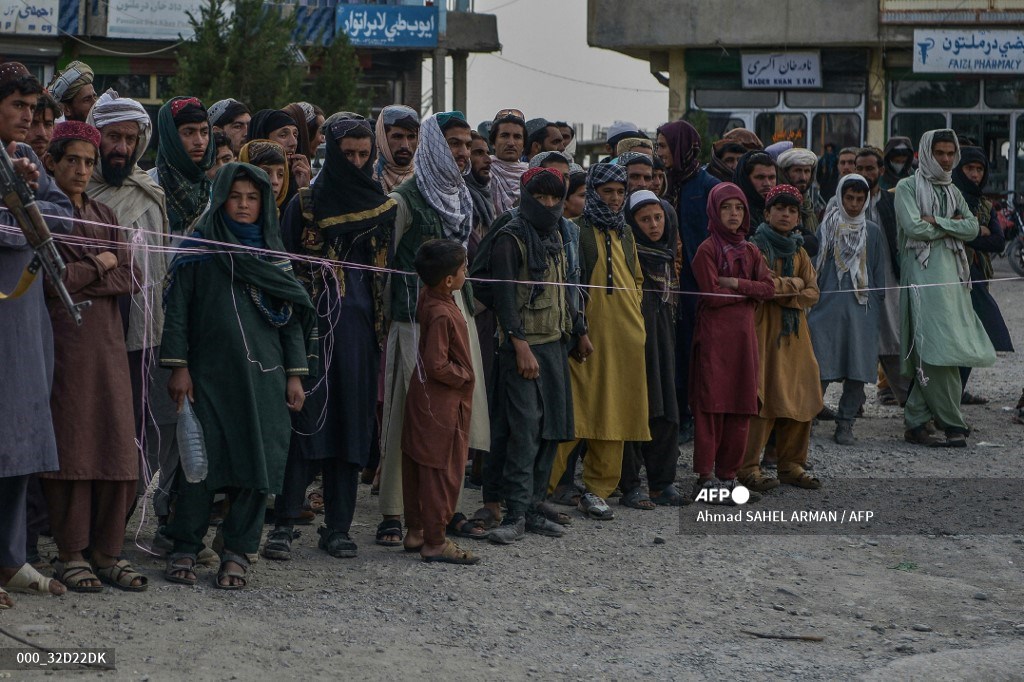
{"x":508,"y":137}
{"x":398,"y":131}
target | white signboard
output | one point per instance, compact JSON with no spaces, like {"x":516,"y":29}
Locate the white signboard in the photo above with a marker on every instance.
{"x":151,"y":19}
{"x":967,"y":51}
{"x":32,"y":17}
{"x":781,"y":70}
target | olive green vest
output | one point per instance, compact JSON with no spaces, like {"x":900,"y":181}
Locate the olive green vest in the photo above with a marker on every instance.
{"x":546,"y":317}
{"x":425,"y":226}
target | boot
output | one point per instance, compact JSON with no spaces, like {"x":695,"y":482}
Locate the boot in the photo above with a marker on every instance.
{"x":844,"y":433}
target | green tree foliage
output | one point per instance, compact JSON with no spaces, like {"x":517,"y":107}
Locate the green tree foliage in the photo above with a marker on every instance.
{"x":335,"y":87}
{"x":248,"y":56}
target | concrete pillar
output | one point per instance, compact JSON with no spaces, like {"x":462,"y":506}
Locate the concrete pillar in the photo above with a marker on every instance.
{"x":459,"y":63}
{"x":874,"y":133}
{"x":677,"y":89}
{"x":440,"y":98}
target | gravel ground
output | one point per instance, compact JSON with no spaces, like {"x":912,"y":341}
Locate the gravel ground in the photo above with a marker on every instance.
{"x":612,"y":600}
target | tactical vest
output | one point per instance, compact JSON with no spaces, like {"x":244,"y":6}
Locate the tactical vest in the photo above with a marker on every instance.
{"x":546,"y":315}
{"x":425,"y":225}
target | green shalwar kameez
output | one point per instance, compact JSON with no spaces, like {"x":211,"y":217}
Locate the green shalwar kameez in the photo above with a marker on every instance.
{"x":218,"y":325}
{"x":939,"y":330}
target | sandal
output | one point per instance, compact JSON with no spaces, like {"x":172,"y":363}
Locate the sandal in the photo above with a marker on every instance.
{"x":487,"y":519}
{"x":121,"y":575}
{"x":74,"y":573}
{"x":637,"y":499}
{"x":5,"y":600}
{"x":230,"y":557}
{"x":389,"y":528}
{"x":30,"y":581}
{"x":760,"y":483}
{"x":567,"y":496}
{"x":279,"y":543}
{"x":552,"y":514}
{"x":452,"y":554}
{"x":803,"y":480}
{"x":462,"y":527}
{"x":315,"y":498}
{"x":336,"y":543}
{"x":670,"y":497}
{"x":181,"y":563}
{"x":971,"y":399}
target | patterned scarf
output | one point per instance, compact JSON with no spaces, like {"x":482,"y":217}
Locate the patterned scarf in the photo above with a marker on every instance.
{"x":505,"y":177}
{"x":184,"y":182}
{"x":594,"y":208}
{"x":846,"y":238}
{"x":930,"y":181}
{"x":775,"y":245}
{"x":440,"y":181}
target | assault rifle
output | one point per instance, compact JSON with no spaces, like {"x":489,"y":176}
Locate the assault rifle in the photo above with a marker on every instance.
{"x":16,"y":195}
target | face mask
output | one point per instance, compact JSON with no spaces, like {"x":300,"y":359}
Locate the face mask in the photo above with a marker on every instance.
{"x":539,"y":215}
{"x":897,"y":167}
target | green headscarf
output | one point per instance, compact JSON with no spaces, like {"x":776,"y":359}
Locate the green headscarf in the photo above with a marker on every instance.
{"x":269,"y":278}
{"x":774,"y":246}
{"x":183,"y":180}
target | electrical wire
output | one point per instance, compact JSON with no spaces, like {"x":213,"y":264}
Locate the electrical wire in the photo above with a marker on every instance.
{"x":575,"y":80}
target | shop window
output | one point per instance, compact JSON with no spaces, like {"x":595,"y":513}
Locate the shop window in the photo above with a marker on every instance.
{"x":1004,"y":94}
{"x":736,"y":99}
{"x":164,"y":91}
{"x":822,"y":100}
{"x":935,"y":94}
{"x":839,"y":130}
{"x":719,"y":124}
{"x":134,"y":86}
{"x":991,"y":132}
{"x":915,"y":125}
{"x":773,"y":128}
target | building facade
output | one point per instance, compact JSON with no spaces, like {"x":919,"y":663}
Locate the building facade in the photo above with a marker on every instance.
{"x":819,"y":72}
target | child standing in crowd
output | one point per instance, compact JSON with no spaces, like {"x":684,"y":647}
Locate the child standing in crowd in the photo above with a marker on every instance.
{"x":732,"y":276}
{"x":239,"y":333}
{"x":790,"y":394}
{"x":656,"y":243}
{"x":438,"y":407}
{"x":845,"y":325}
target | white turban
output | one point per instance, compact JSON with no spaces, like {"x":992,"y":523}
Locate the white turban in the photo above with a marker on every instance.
{"x":798,"y":156}
{"x":111,"y":108}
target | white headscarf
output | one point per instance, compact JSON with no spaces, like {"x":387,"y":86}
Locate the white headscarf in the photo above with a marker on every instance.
{"x":930,"y":181}
{"x":846,"y":238}
{"x":440,"y":181}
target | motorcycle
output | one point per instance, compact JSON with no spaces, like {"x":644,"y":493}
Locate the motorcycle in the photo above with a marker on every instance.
{"x":1014,"y":221}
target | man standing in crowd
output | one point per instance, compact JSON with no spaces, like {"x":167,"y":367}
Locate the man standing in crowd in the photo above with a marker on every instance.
{"x":231,"y":117}
{"x":398,"y":130}
{"x":508,"y":138}
{"x":543,"y":136}
{"x":182,"y":159}
{"x":41,"y":132}
{"x":796,"y":167}
{"x":73,"y":88}
{"x":898,"y":160}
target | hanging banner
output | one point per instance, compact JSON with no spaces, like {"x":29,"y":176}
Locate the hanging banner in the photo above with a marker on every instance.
{"x":29,"y":18}
{"x":388,"y":25}
{"x":967,"y":51}
{"x":781,"y":70}
{"x":153,"y":19}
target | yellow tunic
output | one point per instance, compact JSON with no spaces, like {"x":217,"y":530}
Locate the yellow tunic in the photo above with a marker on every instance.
{"x":609,"y":390}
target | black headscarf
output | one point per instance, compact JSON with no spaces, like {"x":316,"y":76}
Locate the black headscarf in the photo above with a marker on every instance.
{"x":346,"y":199}
{"x":742,"y":178}
{"x":266,"y":121}
{"x":973,"y":192}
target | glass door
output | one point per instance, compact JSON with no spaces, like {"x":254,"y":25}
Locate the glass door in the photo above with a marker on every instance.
{"x":991,"y":132}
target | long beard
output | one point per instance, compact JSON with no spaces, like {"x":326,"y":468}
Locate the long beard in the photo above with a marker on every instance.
{"x":116,"y":175}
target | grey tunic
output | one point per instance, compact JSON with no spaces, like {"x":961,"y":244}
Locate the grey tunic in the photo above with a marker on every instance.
{"x":27,"y":444}
{"x":845,"y":333}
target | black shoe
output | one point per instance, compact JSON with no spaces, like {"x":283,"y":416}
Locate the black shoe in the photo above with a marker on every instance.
{"x":686,"y":432}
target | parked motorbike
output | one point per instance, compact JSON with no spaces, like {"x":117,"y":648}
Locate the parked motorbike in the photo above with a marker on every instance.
{"x":1014,"y":220}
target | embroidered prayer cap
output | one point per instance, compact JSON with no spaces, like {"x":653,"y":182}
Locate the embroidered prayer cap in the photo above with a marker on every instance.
{"x":544,"y":157}
{"x":629,"y":158}
{"x":68,"y":82}
{"x":188,"y":110}
{"x":620,"y":130}
{"x":401,"y":116}
{"x":448,"y":119}
{"x":535,"y":125}
{"x":12,"y":71}
{"x":536,"y":170}
{"x":785,"y":193}
{"x":225,"y":111}
{"x":76,"y":130}
{"x":798,"y":156}
{"x":641,"y":198}
{"x":627,"y":143}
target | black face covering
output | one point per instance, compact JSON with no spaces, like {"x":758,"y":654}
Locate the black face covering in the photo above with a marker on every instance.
{"x":542,"y":218}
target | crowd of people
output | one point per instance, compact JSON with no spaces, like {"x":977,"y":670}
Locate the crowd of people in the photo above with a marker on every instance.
{"x":437,"y":306}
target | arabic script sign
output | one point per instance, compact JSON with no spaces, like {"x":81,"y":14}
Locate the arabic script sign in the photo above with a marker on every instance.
{"x":152,"y":19}
{"x":388,"y":25}
{"x":786,"y":70}
{"x":966,"y":51}
{"x":32,"y":17}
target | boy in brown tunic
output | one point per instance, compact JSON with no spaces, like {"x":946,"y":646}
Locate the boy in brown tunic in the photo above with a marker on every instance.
{"x":435,"y":435}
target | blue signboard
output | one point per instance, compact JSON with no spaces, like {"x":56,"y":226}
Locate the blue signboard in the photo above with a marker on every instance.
{"x":388,"y":25}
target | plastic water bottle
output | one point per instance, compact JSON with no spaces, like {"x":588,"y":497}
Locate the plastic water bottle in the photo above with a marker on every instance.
{"x":191,"y":446}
